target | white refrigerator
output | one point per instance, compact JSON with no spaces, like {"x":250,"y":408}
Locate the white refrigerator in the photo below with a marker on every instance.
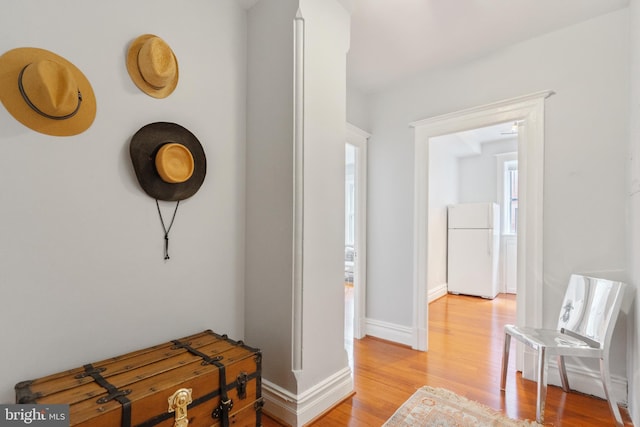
{"x":473,"y":249}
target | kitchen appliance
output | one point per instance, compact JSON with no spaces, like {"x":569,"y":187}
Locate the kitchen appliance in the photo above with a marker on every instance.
{"x":473,"y":249}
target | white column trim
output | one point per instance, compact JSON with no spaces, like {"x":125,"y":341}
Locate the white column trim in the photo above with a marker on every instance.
{"x":298,"y":194}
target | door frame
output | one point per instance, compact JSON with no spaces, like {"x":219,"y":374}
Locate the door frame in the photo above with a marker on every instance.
{"x":358,"y":138}
{"x":529,"y":109}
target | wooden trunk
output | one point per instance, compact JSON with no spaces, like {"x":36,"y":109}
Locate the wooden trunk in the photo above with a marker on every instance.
{"x":206,"y":379}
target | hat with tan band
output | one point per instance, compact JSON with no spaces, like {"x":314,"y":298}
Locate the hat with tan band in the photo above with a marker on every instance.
{"x":45,"y":92}
{"x":152,"y":66}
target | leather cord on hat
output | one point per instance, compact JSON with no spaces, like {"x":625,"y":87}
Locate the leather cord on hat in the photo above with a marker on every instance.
{"x":167,"y":230}
{"x":36,"y":109}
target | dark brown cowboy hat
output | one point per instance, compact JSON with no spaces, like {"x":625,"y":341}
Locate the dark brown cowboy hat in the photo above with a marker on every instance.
{"x":174,"y":172}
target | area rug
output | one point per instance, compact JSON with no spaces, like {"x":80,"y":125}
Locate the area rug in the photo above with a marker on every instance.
{"x":439,"y":407}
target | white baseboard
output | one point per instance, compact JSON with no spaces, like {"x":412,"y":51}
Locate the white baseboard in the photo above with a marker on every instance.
{"x":437,"y":292}
{"x":389,"y":331}
{"x":583,"y":379}
{"x":297,"y":410}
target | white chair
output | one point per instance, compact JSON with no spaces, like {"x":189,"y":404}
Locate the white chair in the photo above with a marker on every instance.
{"x":585,"y":326}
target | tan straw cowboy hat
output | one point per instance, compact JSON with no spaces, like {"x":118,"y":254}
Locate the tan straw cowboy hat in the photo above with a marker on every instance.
{"x":152,"y":66}
{"x":45,"y":92}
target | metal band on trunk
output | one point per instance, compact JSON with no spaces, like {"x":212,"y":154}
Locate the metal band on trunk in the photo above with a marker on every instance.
{"x":114,"y":393}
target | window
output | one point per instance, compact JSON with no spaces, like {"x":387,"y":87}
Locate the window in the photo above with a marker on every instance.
{"x":510,"y":202}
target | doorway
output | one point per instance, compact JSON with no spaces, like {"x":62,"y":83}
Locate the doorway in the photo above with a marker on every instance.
{"x":528,"y":109}
{"x":471,"y":168}
{"x":355,"y":235}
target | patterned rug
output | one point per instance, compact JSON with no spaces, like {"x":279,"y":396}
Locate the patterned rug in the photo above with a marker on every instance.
{"x":443,"y":408}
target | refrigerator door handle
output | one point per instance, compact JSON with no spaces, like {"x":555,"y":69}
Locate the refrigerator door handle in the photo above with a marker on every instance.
{"x":490,"y":242}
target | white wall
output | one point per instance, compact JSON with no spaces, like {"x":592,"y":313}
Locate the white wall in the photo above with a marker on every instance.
{"x":585,"y":143}
{"x":327,"y":26}
{"x":633,"y":355}
{"x":295,"y":203}
{"x":478,"y":174}
{"x":81,"y":254}
{"x":357,"y":109}
{"x":443,"y":191}
{"x":270,"y":186}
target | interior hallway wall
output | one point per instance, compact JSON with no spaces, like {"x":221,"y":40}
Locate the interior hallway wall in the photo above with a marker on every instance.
{"x":443,"y":191}
{"x":296,"y":134}
{"x":633,"y":355}
{"x":586,"y":134}
{"x":81,"y":255}
{"x":357,"y":109}
{"x":478,"y":174}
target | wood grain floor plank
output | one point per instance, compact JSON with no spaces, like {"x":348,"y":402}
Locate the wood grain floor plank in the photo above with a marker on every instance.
{"x":465,"y":353}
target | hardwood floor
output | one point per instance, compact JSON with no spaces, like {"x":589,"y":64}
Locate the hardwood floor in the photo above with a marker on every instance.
{"x":465,"y":352}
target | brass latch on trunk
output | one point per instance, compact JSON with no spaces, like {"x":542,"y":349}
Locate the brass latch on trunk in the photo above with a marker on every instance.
{"x":178,"y":403}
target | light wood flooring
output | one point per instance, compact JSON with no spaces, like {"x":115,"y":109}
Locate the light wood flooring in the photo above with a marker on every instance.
{"x":465,"y":352}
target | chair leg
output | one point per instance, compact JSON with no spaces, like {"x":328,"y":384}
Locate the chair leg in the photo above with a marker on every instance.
{"x":563,"y":374}
{"x":505,"y":360}
{"x":542,"y":385}
{"x":607,"y":385}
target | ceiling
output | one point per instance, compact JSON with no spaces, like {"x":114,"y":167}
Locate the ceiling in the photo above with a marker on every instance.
{"x":469,"y":142}
{"x":392,"y":40}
